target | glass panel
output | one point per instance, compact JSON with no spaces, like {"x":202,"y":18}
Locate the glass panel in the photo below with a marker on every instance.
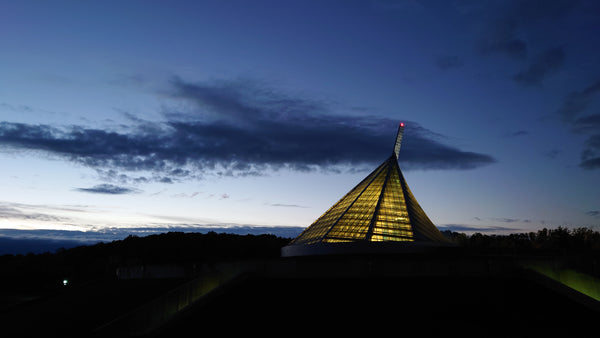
{"x":354,"y":224}
{"x":392,"y":222}
{"x":323,"y":224}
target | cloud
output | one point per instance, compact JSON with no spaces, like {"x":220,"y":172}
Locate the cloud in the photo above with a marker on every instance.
{"x":287,"y":205}
{"x":501,"y":38}
{"x":510,"y":25}
{"x":16,"y":108}
{"x":109,"y":189}
{"x":587,"y":124}
{"x":236,"y":128}
{"x":472,"y":229}
{"x":15,"y":211}
{"x":577,"y":101}
{"x":422,"y":149}
{"x":505,"y":219}
{"x":270,"y":126}
{"x":593,"y":213}
{"x":546,"y":63}
{"x":552,"y":153}
{"x":590,"y":157}
{"x":534,"y":10}
{"x":449,"y":62}
{"x":518,"y":133}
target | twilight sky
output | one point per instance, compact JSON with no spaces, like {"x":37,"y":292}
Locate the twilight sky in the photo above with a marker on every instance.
{"x":119,"y":116}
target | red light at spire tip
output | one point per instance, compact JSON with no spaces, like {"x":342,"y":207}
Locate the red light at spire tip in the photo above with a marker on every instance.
{"x":401,"y":124}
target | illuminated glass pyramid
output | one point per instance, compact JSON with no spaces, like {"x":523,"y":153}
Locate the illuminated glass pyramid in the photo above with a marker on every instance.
{"x":380,"y":208}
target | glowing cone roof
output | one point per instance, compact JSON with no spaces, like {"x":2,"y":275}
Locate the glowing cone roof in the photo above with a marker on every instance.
{"x":380,"y":208}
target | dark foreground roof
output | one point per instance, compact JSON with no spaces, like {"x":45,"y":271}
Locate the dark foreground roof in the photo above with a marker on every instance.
{"x":426,"y":294}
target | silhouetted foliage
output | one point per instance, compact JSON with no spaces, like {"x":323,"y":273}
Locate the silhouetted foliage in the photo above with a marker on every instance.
{"x":99,"y":261}
{"x":577,"y":248}
{"x":559,"y":240}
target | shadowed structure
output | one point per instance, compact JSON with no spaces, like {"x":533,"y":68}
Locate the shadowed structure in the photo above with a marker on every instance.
{"x":381,"y":208}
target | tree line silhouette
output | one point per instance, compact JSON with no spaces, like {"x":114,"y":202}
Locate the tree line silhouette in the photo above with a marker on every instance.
{"x":544,"y":241}
{"x":47,"y":270}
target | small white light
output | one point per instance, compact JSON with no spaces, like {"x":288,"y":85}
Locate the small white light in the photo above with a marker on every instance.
{"x":65,"y":282}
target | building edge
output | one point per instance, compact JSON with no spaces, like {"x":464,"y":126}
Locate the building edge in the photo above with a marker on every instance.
{"x":362,"y":248}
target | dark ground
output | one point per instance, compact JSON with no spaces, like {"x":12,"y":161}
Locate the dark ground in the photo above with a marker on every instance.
{"x":75,"y":311}
{"x":427,"y":306}
{"x":424,"y":306}
{"x":508,"y":303}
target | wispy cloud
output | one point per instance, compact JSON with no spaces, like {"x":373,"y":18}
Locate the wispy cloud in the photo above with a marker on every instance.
{"x":16,"y":108}
{"x":518,"y":133}
{"x":505,"y":219}
{"x":590,"y":157}
{"x":287,"y":205}
{"x":501,"y":37}
{"x":473,"y":228}
{"x":15,"y":211}
{"x":593,"y":213}
{"x":575,"y":104}
{"x":501,"y":220}
{"x":449,"y":62}
{"x":544,"y":64}
{"x":509,"y":26}
{"x":109,"y":189}
{"x":577,"y":101}
{"x":587,"y":124}
{"x":552,"y":153}
{"x":237,"y":127}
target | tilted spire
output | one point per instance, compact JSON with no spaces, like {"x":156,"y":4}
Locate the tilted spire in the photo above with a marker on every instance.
{"x":399,"y":139}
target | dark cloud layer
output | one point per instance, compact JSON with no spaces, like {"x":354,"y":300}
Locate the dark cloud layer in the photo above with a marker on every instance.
{"x":237,"y":128}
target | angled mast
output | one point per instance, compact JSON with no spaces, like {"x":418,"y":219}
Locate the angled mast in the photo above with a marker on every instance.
{"x":399,"y":139}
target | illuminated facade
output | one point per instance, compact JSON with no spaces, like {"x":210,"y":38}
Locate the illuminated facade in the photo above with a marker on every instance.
{"x":381,"y":208}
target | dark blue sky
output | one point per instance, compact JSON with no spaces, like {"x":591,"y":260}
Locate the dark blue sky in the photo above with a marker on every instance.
{"x":129,"y":114}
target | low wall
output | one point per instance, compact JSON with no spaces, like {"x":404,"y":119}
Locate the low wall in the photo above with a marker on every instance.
{"x":150,"y":316}
{"x":578,"y":281}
